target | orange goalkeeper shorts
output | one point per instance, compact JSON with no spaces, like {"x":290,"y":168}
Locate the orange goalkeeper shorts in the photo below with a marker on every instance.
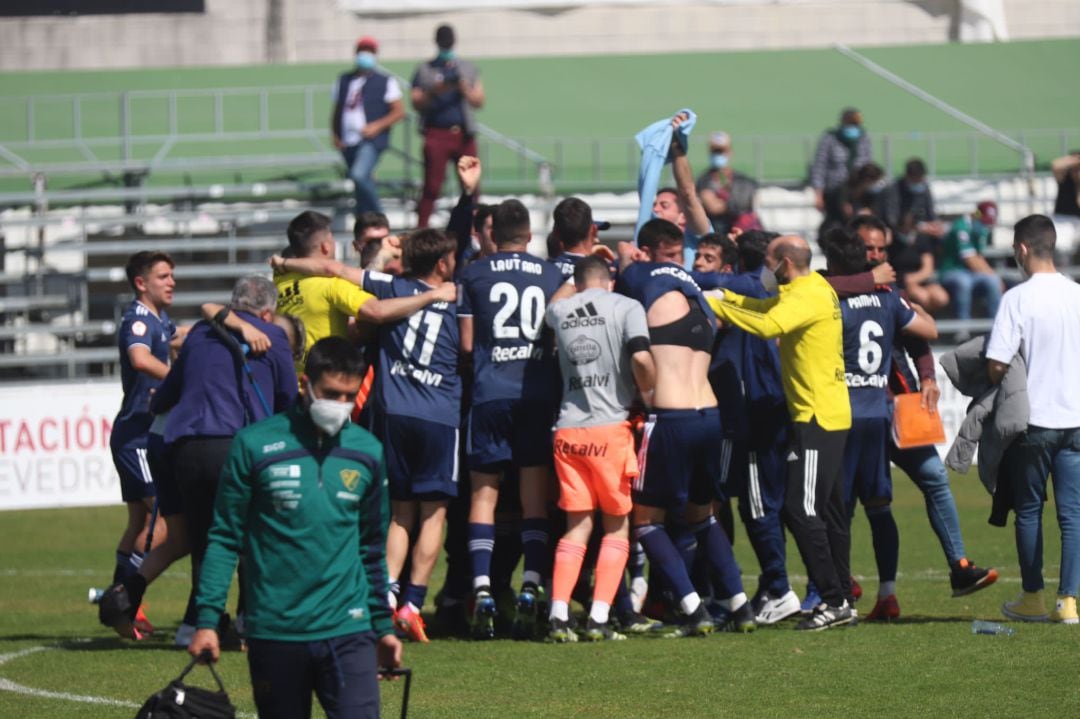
{"x":595,"y":466}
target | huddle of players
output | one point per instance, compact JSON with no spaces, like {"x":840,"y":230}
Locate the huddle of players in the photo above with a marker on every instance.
{"x":526,"y":332}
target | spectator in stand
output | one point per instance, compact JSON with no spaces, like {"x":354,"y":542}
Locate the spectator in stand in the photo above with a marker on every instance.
{"x":963,"y":267}
{"x":1067,"y":204}
{"x":908,"y":204}
{"x":864,"y":191}
{"x":914,"y":230}
{"x":840,"y":152}
{"x":726,"y":194}
{"x":367,"y":103}
{"x":445,"y":91}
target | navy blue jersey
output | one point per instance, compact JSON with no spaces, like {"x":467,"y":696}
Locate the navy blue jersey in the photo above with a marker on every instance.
{"x":566,"y":262}
{"x":506,"y":294}
{"x":745,"y":374}
{"x":139,"y":326}
{"x":418,"y":356}
{"x":871,"y":324}
{"x":646,"y":282}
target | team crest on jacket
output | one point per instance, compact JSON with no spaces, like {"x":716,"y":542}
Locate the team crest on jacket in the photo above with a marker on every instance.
{"x":350,"y":478}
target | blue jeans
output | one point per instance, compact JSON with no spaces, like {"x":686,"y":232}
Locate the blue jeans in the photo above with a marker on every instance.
{"x":1033,"y":456}
{"x":927,"y":471}
{"x":360,"y":161}
{"x":961,"y":285}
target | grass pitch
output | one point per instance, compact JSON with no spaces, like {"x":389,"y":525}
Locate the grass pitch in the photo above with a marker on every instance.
{"x":927,"y":664}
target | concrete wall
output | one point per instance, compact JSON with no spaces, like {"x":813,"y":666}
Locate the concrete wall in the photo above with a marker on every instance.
{"x":245,"y":31}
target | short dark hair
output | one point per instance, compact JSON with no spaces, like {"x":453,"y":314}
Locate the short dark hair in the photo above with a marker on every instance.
{"x":510,"y":223}
{"x":367,"y":220}
{"x":333,"y":355}
{"x":483,"y":211}
{"x":870,"y":221}
{"x":140,"y":264}
{"x":1037,"y":233}
{"x":444,"y":37}
{"x":844,"y":252}
{"x":572,"y":221}
{"x":368,"y":253}
{"x":423,"y":249}
{"x":658,"y":232}
{"x":668,"y":191}
{"x":753,"y":244}
{"x":303,"y":230}
{"x":590,"y":266}
{"x":729,"y":251}
{"x":915,"y":168}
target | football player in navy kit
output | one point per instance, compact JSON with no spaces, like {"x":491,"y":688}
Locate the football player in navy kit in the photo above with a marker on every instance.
{"x":515,"y":398}
{"x":418,"y":404}
{"x":144,"y":339}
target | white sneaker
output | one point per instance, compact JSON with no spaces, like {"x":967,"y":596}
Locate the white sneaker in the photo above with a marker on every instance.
{"x":777,"y":609}
{"x":184,"y":634}
{"x":638,"y":589}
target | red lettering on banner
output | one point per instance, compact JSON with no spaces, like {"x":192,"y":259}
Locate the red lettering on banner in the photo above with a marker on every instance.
{"x":84,"y":432}
{"x":106,"y":432}
{"x":23,"y":438}
{"x":3,"y":435}
{"x":42,"y":442}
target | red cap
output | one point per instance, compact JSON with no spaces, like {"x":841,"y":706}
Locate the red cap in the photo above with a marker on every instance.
{"x":988,"y":212}
{"x":367,"y":42}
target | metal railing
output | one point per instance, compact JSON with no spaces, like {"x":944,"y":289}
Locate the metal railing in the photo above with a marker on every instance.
{"x":284,"y":128}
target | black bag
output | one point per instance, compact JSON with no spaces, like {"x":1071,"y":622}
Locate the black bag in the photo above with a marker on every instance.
{"x":180,"y":701}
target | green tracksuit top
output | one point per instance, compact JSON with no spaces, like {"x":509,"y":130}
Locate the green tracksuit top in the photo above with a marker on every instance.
{"x":310,"y":514}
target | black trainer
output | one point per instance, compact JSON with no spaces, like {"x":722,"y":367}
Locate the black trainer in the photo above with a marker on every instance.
{"x":966,"y":578}
{"x":827,"y":617}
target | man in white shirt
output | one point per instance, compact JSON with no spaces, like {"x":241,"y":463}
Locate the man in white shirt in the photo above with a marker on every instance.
{"x":367,"y":103}
{"x":1040,"y":319}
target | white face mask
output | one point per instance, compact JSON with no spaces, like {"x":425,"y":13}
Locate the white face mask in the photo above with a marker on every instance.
{"x":768,"y":279}
{"x":329,"y":415}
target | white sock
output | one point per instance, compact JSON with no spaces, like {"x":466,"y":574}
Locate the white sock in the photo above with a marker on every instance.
{"x":885,"y":589}
{"x":559,"y":610}
{"x":600,"y":612}
{"x":690,"y":603}
{"x":482,"y":581}
{"x":530,"y":577}
{"x":735,"y":602}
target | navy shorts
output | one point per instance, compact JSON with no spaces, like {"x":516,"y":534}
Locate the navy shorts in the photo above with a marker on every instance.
{"x":680,"y":459}
{"x":866,"y":464}
{"x":421,"y":458}
{"x":510,"y":431}
{"x":133,"y":467}
{"x":160,"y":457}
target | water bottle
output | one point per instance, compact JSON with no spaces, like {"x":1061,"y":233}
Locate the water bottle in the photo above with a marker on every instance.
{"x":95,"y":594}
{"x":983,"y":627}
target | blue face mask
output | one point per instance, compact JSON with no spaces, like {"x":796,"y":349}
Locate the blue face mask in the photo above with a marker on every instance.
{"x":851,"y":132}
{"x":445,"y":55}
{"x":366,"y":61}
{"x":718,"y":160}
{"x":917,"y":188}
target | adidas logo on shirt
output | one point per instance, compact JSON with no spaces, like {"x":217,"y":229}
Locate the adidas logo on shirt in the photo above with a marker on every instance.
{"x":586,"y":316}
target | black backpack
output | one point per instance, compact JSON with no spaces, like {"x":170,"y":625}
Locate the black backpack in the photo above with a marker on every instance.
{"x":180,"y":701}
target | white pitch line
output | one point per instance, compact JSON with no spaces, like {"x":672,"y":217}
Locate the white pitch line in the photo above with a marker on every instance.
{"x":10,"y":686}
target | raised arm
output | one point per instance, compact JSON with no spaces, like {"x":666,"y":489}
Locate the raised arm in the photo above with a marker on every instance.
{"x":696,"y":218}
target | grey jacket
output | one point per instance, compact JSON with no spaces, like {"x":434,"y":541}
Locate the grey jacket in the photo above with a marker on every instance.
{"x":997,"y":415}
